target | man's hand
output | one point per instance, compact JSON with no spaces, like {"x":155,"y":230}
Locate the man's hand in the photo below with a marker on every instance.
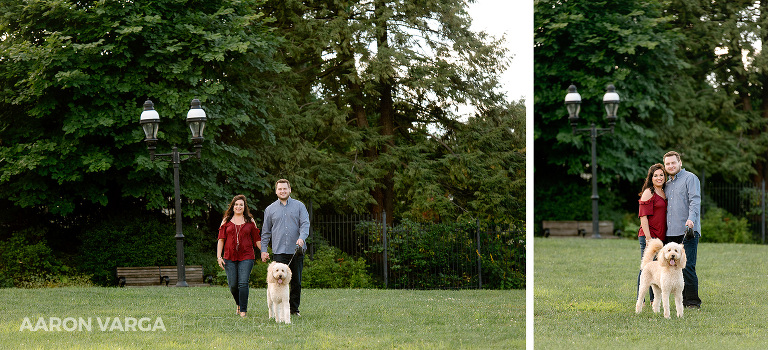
{"x":264,"y":256}
{"x":689,"y":223}
{"x":300,"y":242}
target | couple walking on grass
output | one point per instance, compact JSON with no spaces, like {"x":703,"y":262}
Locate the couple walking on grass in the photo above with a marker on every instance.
{"x":286,"y":227}
{"x":670,"y":210}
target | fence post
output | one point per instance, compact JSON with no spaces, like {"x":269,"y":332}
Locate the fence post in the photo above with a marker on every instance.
{"x":762,"y":200}
{"x":384,"y":240}
{"x":311,"y":231}
{"x":479,"y":257}
{"x":703,"y":184}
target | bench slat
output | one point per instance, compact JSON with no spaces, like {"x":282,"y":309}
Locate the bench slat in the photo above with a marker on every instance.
{"x":151,"y":275}
{"x":572,"y":228}
{"x":193,"y":274}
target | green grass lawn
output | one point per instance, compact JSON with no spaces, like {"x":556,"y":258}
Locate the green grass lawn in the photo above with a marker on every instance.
{"x":585,"y":292}
{"x":203,"y":318}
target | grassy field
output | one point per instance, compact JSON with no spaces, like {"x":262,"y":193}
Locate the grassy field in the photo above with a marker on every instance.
{"x":585,"y":294}
{"x":203,"y":318}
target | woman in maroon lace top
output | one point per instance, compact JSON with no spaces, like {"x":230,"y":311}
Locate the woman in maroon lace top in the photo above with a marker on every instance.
{"x":653,"y":209}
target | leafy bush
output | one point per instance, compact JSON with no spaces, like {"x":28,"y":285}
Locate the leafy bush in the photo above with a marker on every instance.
{"x":126,"y":241}
{"x":27,"y":261}
{"x":630,"y":224}
{"x":719,"y":226}
{"x":427,"y":256}
{"x":332,"y":268}
{"x":258,"y":277}
{"x":503,"y":258}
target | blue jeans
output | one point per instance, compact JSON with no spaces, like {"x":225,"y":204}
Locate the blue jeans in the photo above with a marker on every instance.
{"x":296,"y":266}
{"x":642,"y":250}
{"x":691,"y":289}
{"x":238,"y":273}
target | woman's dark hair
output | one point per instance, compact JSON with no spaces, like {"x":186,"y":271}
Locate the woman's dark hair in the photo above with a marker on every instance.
{"x":649,"y":178}
{"x":231,"y":211}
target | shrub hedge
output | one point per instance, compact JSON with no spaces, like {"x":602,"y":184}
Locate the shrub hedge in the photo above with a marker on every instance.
{"x":26,"y":261}
{"x":719,"y":226}
{"x":445,"y":255}
{"x":432,"y":255}
{"x":126,"y":241}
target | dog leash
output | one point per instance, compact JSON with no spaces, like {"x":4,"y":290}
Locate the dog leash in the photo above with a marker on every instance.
{"x":298,"y":249}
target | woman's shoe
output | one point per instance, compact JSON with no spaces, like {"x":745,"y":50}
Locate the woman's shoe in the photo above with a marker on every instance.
{"x":237,"y":312}
{"x":242,"y":314}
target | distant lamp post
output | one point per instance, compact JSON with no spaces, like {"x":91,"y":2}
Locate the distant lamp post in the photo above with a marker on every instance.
{"x":573,"y":104}
{"x":150,"y":122}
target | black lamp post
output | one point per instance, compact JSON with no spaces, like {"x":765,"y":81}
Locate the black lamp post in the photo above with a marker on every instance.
{"x":150,"y":121}
{"x":573,"y":104}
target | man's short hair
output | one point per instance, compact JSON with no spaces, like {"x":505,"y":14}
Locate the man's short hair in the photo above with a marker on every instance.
{"x":283,"y":181}
{"x":672,"y":153}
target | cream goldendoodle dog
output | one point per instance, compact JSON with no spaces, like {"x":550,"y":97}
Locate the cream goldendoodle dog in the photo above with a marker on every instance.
{"x":278,"y":296}
{"x":664,"y":275}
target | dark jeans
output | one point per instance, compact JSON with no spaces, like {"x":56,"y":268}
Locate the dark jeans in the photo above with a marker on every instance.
{"x":296,"y":266}
{"x":238,"y":273}
{"x":691,"y":290}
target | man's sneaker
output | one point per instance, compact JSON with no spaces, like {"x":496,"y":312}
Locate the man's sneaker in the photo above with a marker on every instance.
{"x":295,"y":313}
{"x":693,"y":306}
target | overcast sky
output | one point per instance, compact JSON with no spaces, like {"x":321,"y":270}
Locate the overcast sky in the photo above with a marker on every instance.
{"x":515,"y":18}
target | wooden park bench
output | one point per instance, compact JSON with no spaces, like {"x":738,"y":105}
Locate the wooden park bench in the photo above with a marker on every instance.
{"x":159,"y":276}
{"x":576,"y":228}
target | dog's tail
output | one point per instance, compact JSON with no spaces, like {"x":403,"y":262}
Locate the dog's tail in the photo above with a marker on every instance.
{"x":653,"y":247}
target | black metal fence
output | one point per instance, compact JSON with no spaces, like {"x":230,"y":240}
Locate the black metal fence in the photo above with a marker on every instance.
{"x":416,"y":256}
{"x":743,"y":200}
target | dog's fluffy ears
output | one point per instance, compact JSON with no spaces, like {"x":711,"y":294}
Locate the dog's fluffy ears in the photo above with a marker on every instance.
{"x":664,"y":255}
{"x":271,"y":271}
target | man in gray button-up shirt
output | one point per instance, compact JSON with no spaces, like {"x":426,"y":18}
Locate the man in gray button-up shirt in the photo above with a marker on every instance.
{"x":286,"y":225}
{"x":683,"y":191}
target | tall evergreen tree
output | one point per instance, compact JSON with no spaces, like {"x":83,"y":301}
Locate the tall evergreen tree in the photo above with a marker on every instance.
{"x":395,"y":70}
{"x":720,"y":101}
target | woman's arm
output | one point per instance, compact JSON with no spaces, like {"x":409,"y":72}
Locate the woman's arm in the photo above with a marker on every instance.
{"x":645,"y":227}
{"x":258,"y":242}
{"x":219,"y":258}
{"x":647,"y":195}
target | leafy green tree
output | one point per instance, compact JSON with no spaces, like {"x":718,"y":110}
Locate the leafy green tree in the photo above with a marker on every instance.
{"x":592,"y":44}
{"x":75,"y":74}
{"x":475,"y":172}
{"x":387,"y":74}
{"x":720,"y":103}
{"x":331,"y":95}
